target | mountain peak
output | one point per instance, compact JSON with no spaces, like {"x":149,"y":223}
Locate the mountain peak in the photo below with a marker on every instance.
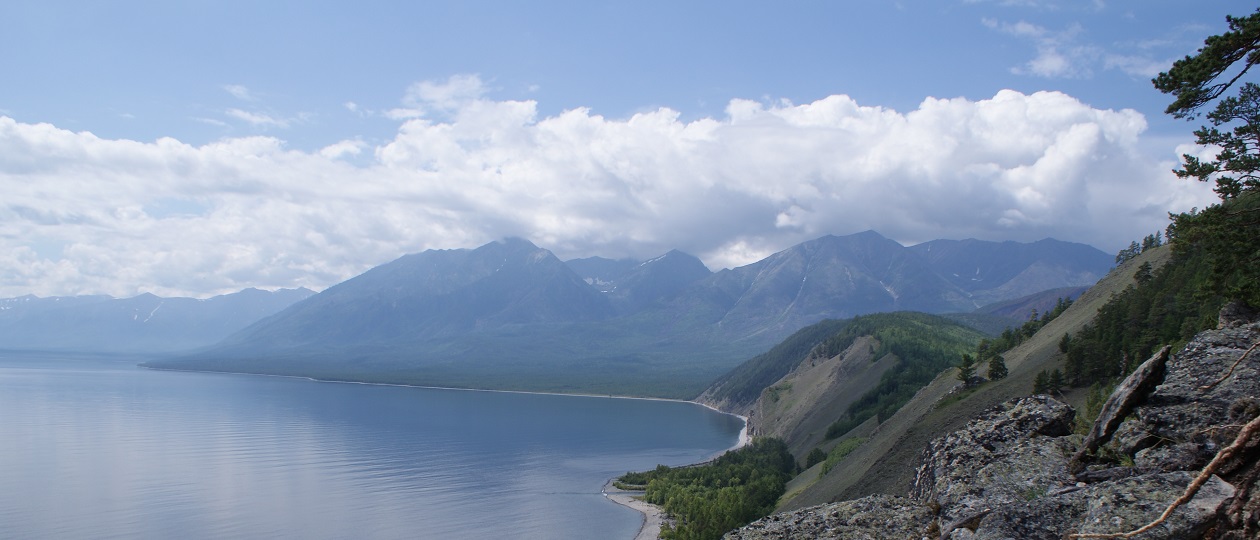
{"x":514,"y":242}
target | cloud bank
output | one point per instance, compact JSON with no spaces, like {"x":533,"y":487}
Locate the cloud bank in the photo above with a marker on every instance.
{"x":83,"y":214}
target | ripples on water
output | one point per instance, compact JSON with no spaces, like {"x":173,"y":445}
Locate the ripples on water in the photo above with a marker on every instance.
{"x":100,"y":449}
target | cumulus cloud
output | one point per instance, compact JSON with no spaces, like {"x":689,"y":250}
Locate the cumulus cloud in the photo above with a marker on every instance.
{"x":173,"y":218}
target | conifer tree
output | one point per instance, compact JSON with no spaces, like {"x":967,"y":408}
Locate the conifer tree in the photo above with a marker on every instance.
{"x":1056,"y":382}
{"x":1041,"y":383}
{"x":966,"y":368}
{"x":997,"y":368}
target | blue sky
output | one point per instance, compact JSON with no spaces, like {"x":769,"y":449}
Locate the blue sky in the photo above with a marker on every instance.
{"x":194,"y":148}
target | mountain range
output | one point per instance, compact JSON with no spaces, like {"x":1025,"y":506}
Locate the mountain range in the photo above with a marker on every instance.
{"x":511,"y":315}
{"x":140,"y":324}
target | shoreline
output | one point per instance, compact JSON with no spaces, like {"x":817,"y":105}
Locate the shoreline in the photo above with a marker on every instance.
{"x":653,"y":516}
{"x":742,"y":441}
{"x":427,"y":387}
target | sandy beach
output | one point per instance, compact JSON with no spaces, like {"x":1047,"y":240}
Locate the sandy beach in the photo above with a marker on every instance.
{"x":653,"y":516}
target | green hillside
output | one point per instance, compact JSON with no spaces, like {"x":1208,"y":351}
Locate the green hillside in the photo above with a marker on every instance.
{"x":886,"y":461}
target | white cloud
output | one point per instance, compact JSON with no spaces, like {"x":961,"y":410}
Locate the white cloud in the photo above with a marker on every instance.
{"x":257,"y":119}
{"x":265,"y":120}
{"x":210,"y":121}
{"x":444,"y":96}
{"x":403,"y":113}
{"x":240,"y":92}
{"x":342,"y":149}
{"x":1059,"y":54}
{"x":172,"y":218}
{"x":1067,"y":53}
{"x":1137,"y":66}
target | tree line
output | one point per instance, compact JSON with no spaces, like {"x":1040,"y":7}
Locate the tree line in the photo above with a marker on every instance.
{"x":706,"y":501}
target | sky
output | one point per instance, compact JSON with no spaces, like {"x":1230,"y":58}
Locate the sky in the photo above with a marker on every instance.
{"x":201,"y":147}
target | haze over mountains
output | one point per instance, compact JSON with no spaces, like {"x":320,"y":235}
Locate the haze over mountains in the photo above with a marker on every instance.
{"x":511,"y":315}
{"x":140,"y":324}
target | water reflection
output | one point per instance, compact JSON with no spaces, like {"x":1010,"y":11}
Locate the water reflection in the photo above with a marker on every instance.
{"x":99,"y":449}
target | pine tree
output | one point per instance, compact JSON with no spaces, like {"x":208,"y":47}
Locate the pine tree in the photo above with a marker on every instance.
{"x":1205,"y":78}
{"x":1056,"y":382}
{"x":966,"y":368}
{"x":1041,"y":383}
{"x":997,"y":368}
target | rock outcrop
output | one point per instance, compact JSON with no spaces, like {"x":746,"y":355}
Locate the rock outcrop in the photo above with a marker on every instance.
{"x":1008,"y":455}
{"x":1018,"y":472}
{"x":870,"y":518}
{"x":1131,"y":392}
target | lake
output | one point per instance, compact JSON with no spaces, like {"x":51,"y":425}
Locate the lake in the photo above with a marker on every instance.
{"x":99,"y":448}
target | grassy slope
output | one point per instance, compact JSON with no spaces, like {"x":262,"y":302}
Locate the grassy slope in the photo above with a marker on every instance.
{"x":811,"y":397}
{"x":887,"y":462}
{"x":739,"y":389}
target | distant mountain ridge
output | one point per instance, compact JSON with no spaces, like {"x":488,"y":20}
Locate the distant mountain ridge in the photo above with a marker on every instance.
{"x":996,"y":271}
{"x":140,"y":324}
{"x":830,"y":277}
{"x":437,"y":294}
{"x":511,"y":315}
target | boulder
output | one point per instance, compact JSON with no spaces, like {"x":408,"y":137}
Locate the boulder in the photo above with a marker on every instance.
{"x":1112,"y":507}
{"x":1197,"y":410}
{"x":1236,"y":313}
{"x":1009,"y":453}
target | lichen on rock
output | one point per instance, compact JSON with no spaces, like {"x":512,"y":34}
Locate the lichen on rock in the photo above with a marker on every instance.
{"x":870,"y":518}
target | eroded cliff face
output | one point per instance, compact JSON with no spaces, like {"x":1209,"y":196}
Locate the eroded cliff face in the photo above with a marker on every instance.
{"x":1018,"y":472}
{"x":799,"y":407}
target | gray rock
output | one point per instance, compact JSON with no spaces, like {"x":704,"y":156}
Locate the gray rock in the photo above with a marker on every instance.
{"x":870,"y":518}
{"x":1011,"y":453}
{"x":1111,"y":507}
{"x":1190,"y":416}
{"x":1132,"y":503}
{"x":1234,"y":314}
{"x":1009,"y":466}
{"x":1133,"y":390}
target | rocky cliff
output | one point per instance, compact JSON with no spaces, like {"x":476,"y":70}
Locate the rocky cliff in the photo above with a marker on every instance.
{"x":1175,"y":455}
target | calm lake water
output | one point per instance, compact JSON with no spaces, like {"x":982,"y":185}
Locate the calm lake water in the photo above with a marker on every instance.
{"x":98,"y":448}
